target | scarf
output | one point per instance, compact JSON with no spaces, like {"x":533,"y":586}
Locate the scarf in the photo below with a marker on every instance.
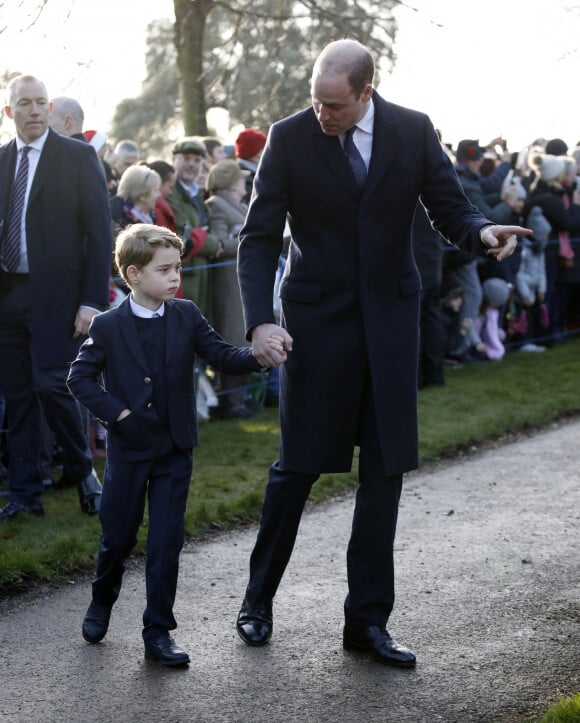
{"x":135,"y":213}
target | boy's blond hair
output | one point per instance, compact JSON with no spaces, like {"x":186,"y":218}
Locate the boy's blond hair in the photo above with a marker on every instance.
{"x":136,"y":245}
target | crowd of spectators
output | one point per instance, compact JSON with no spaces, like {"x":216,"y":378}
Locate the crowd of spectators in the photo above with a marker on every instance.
{"x":472,"y":310}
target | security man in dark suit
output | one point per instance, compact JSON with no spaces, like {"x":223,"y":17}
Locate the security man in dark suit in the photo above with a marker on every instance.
{"x":348,"y":173}
{"x":55,"y":261}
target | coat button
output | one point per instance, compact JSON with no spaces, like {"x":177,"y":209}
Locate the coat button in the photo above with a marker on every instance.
{"x":147,"y":380}
{"x":149,"y":405}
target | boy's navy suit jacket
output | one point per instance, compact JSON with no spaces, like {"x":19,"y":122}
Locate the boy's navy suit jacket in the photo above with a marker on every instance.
{"x":113,"y":348}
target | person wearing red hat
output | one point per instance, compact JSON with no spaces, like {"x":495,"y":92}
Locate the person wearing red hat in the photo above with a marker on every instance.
{"x":98,"y":141}
{"x":248,"y":150}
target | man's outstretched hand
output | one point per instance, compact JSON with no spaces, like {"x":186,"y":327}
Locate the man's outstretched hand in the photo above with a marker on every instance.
{"x":501,"y":241}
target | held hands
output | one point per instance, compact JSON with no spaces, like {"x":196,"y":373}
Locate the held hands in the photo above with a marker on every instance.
{"x":270,"y":344}
{"x":501,"y":241}
{"x":83,"y":321}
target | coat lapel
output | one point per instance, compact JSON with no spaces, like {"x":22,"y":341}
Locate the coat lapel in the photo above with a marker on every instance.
{"x":171,"y":328}
{"x":386,"y":139}
{"x":130,"y":336}
{"x":329,"y":148}
{"x":45,"y":163}
{"x":7,"y":165}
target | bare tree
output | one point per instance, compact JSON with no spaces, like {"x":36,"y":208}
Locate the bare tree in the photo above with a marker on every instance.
{"x":260,"y":49}
{"x":13,"y":9}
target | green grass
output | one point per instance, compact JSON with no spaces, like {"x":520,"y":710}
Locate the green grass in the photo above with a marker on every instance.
{"x":566,"y":710}
{"x":479,"y":401}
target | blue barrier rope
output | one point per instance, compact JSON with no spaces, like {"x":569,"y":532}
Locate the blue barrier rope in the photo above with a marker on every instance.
{"x":449,"y":247}
{"x":233,"y":262}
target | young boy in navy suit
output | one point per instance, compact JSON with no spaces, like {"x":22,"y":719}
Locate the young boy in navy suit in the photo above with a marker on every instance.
{"x":144,"y":350}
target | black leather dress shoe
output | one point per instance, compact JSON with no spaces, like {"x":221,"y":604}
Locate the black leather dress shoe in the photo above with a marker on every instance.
{"x":90,"y":492}
{"x":165,"y":651}
{"x":12,"y":509}
{"x":255,"y":623}
{"x":96,"y":622}
{"x":377,"y":641}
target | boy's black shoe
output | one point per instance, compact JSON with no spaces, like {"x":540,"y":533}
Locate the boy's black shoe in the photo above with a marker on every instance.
{"x":90,"y":492}
{"x":96,"y":622}
{"x":165,"y":651}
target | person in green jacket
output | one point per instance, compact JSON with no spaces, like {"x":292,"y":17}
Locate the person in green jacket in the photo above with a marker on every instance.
{"x":187,"y":204}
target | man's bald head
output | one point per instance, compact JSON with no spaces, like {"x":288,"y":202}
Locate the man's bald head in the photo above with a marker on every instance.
{"x":346,"y":57}
{"x":67,"y":116}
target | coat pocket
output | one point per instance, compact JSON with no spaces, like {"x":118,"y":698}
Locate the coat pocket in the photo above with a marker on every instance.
{"x":134,"y":431}
{"x":293,"y":290}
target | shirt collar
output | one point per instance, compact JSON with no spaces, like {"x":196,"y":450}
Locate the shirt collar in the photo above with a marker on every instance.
{"x":144,"y":313}
{"x":366,"y":123}
{"x":191,"y":188}
{"x":38,"y":144}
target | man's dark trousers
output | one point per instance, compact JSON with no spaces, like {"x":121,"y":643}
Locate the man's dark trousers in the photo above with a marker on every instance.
{"x":19,"y":373}
{"x":370,"y":551}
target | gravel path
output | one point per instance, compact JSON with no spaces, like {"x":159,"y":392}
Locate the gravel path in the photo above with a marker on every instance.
{"x":487,"y":562}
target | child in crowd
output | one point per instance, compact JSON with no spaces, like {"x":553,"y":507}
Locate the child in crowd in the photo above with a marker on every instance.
{"x":455,"y":346}
{"x":531,"y":281}
{"x":145,"y":350}
{"x":496,"y":293}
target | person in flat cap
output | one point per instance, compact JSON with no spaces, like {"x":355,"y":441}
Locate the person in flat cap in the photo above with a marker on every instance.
{"x":191,"y":219}
{"x":248,"y":151}
{"x":190,"y":145}
{"x":226,"y":184}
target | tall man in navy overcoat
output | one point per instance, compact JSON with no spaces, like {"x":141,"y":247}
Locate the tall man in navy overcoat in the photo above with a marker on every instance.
{"x":48,"y":297}
{"x":350,"y":310}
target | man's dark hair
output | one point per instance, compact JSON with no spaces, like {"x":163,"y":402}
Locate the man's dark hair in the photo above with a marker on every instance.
{"x":211,"y":143}
{"x":362,"y":72}
{"x":163,"y":168}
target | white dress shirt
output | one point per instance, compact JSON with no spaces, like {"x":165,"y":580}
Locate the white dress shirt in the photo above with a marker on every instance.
{"x":144,"y":313}
{"x":363,"y":135}
{"x":36,"y":147}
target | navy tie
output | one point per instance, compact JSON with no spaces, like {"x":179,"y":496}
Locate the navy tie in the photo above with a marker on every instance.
{"x":12,"y":242}
{"x":355,"y":159}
